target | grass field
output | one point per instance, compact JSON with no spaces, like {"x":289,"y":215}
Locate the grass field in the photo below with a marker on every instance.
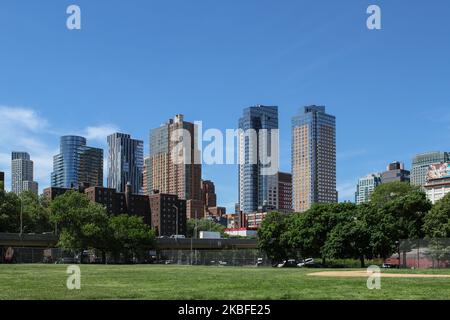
{"x":196,"y":282}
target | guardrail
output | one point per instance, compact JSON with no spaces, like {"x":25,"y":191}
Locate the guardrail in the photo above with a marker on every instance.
{"x":28,"y":240}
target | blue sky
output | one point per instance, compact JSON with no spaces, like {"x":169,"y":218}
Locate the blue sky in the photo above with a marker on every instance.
{"x":136,"y":63}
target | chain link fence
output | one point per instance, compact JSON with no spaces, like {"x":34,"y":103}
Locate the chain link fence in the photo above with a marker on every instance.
{"x":242,"y":257}
{"x":424,"y":253}
{"x":238,"y":257}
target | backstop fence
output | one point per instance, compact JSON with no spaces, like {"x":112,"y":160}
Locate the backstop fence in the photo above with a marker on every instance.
{"x":241,"y":257}
{"x":424,"y":253}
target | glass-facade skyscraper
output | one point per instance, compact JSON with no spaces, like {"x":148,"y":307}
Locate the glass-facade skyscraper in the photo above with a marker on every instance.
{"x":257,"y":189}
{"x":125,"y":163}
{"x":313,"y":158}
{"x":77,"y":164}
{"x":422,"y":162}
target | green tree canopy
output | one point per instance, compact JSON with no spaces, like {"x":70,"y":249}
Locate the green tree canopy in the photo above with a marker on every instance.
{"x":350,"y":238}
{"x":272,"y":236}
{"x":308,"y":231}
{"x":387,"y":192}
{"x":9,"y":212}
{"x":81,"y":222}
{"x":437,"y":221}
{"x":130,"y":235}
{"x":194,"y":226}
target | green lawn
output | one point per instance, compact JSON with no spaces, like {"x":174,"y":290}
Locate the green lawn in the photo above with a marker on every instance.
{"x":186,"y":282}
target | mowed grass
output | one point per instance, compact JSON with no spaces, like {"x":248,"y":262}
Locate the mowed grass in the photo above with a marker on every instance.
{"x":201,"y":282}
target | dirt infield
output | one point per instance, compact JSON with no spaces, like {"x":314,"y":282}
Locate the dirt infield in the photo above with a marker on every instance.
{"x":365,"y":274}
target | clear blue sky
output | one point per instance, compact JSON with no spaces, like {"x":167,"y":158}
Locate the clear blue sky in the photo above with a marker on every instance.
{"x":136,"y":63}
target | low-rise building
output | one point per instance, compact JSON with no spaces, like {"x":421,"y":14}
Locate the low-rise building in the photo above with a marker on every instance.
{"x":121,"y":203}
{"x":168,"y":214}
{"x":255,"y":219}
{"x":114,"y":202}
{"x":438,"y":181}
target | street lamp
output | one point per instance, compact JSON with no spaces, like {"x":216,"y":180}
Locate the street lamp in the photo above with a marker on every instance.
{"x":193,"y":234}
{"x":21,"y":215}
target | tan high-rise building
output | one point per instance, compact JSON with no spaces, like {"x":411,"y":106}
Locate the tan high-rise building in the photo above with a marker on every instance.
{"x":174,"y":166}
{"x":313,"y":158}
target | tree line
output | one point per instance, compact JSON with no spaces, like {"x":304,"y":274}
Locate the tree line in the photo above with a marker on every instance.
{"x":396,"y":211}
{"x":80,"y":224}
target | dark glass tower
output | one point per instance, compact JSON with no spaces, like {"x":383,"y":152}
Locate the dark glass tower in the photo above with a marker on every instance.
{"x":125,"y":163}
{"x":256,"y":189}
{"x":77,"y":164}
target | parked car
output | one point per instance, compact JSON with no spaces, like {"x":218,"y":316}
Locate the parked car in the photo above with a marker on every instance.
{"x":291,"y":263}
{"x":178,"y":236}
{"x":306,"y":262}
{"x":389,"y":266}
{"x":259,"y":262}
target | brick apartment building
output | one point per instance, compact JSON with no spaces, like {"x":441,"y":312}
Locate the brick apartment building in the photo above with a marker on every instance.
{"x":165,"y":209}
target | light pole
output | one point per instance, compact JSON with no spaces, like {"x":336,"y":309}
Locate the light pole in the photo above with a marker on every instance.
{"x":21,"y":215}
{"x":194,"y":234}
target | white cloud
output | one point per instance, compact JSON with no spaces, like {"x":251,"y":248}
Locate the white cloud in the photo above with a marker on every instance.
{"x":99,"y":133}
{"x":24,"y":130}
{"x":23,"y":117}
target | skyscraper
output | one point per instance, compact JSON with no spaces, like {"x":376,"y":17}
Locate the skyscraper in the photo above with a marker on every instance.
{"x":313,"y":158}
{"x":22,"y":173}
{"x":366,"y":186}
{"x":395,"y":172}
{"x":284,"y":193}
{"x":169,"y":173}
{"x":256,"y":183}
{"x":421,"y":164}
{"x":125,"y":163}
{"x":77,"y":164}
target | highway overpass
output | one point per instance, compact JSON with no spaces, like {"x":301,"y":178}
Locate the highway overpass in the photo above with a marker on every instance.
{"x":49,"y":241}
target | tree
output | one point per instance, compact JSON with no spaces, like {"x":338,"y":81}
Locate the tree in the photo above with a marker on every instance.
{"x":272,"y":237}
{"x":382,"y":229}
{"x":36,"y":215}
{"x":9,"y":212}
{"x":350,"y":238}
{"x":194,"y":226}
{"x":308,"y":231}
{"x":82,"y":223}
{"x":409,"y":213}
{"x":130,"y":235}
{"x":387,"y":192}
{"x":437,"y":221}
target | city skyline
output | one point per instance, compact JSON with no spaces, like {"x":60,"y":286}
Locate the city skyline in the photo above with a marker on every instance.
{"x":389,"y":90}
